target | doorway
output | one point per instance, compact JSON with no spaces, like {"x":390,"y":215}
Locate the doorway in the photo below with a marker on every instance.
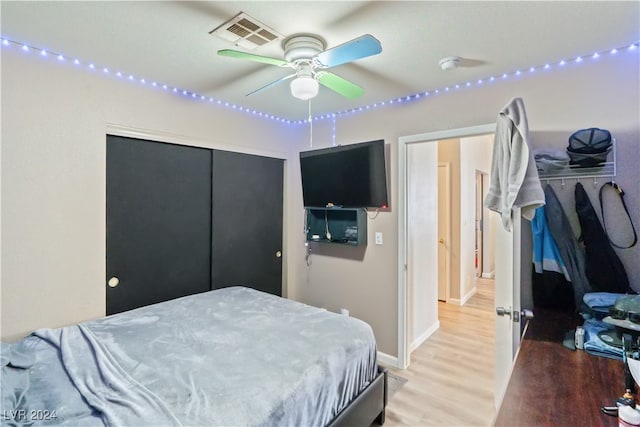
{"x":414,"y":277}
{"x":507,"y":248}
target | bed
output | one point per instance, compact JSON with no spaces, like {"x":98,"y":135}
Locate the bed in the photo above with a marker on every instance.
{"x":229,"y":357}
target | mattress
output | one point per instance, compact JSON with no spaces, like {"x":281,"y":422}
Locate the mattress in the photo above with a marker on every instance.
{"x":228,"y":357}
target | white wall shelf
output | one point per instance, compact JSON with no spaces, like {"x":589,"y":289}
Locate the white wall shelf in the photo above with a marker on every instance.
{"x":604,"y":170}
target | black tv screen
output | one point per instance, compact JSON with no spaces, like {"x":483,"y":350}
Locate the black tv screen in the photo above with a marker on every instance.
{"x":351,"y":176}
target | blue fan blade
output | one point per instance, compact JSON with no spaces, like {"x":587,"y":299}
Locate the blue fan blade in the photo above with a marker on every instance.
{"x":358,"y":48}
{"x":272,"y":84}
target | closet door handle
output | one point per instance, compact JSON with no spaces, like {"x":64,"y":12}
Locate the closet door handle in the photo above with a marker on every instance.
{"x":278,"y":254}
{"x":113,"y":282}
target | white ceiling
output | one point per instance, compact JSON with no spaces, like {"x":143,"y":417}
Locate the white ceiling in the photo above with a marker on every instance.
{"x":169,"y":42}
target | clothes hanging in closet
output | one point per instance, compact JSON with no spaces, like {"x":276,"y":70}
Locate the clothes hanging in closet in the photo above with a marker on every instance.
{"x":550,"y":278}
{"x":571,"y":250}
{"x":604,"y":269}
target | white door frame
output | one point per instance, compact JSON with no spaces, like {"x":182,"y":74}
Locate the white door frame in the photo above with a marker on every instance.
{"x":403,"y":142}
{"x":480,"y":222}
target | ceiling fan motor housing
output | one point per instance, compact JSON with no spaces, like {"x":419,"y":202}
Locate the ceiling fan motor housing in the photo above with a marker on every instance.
{"x":302,"y":47}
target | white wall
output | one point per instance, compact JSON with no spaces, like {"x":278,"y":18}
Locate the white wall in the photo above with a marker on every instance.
{"x":53,"y":178}
{"x":475,"y":155}
{"x":341,"y":277}
{"x":53,"y":175}
{"x":601,"y":93}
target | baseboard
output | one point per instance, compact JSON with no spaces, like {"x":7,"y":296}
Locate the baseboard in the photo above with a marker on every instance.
{"x":464,"y":299}
{"x":491,"y":275}
{"x":387,"y":360}
{"x":424,"y":336}
{"x":469,"y":294}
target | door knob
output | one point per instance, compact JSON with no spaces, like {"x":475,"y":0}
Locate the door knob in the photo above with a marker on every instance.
{"x":526,"y":314}
{"x":441,"y":240}
{"x":278,"y":254}
{"x":113,"y":282}
{"x":501,"y":311}
{"x":517,"y":315}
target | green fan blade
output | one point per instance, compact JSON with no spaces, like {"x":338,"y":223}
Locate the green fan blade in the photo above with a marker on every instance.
{"x":340,"y":85}
{"x":250,"y":56}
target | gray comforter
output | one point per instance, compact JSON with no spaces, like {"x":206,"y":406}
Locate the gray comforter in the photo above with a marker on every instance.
{"x":230,"y":357}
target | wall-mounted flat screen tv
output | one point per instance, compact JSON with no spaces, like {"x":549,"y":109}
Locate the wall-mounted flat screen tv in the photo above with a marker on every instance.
{"x":352,"y":176}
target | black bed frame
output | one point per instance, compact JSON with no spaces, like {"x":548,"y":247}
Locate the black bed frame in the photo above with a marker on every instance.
{"x":368,"y":407}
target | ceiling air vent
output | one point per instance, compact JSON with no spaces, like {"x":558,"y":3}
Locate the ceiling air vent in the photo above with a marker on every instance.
{"x":246,"y":32}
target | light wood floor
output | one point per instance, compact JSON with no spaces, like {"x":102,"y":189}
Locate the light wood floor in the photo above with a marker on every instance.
{"x":451,"y":376}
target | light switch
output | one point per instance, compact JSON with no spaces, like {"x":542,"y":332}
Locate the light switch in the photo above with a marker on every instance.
{"x":378,"y":237}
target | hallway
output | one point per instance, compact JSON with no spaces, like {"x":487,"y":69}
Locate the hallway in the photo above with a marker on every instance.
{"x":451,"y":376}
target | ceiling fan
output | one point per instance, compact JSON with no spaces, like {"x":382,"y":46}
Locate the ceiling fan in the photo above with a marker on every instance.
{"x":306,"y":54}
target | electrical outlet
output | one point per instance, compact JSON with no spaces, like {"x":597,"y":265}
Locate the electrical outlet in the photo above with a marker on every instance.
{"x":378,"y":237}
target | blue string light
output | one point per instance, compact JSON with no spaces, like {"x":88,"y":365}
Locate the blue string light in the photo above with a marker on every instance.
{"x":492,"y":79}
{"x":7,"y":43}
{"x":333,"y":129}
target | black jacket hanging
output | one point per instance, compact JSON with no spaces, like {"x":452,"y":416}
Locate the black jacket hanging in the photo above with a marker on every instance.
{"x":604,"y":269}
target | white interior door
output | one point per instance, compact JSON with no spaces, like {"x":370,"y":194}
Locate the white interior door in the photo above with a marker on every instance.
{"x":422,"y":191}
{"x":444,"y":230}
{"x":507,"y":297}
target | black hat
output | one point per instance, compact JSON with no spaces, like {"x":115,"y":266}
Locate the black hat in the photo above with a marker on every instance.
{"x":589,"y":147}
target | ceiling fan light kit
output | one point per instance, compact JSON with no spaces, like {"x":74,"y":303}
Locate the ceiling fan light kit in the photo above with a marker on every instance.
{"x":304,"y":87}
{"x":298,"y":50}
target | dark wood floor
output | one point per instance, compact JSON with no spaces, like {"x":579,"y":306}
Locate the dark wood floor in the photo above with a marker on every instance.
{"x":554,"y":386}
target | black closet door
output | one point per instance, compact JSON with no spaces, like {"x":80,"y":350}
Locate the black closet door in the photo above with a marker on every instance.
{"x":158,"y":222}
{"x":247,"y":221}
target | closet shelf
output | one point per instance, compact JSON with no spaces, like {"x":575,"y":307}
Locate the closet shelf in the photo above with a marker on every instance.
{"x":603,"y":170}
{"x":607,"y":169}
